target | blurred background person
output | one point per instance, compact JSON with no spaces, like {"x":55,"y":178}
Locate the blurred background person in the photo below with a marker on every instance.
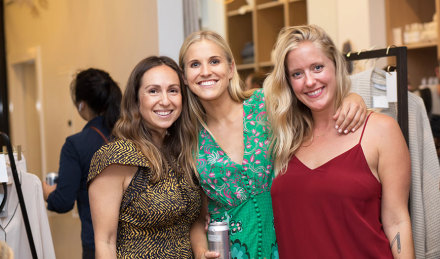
{"x":255,"y":80}
{"x":97,"y":98}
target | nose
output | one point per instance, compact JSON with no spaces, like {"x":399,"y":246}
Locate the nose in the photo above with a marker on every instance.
{"x":310,"y":79}
{"x":164,"y":100}
{"x":205,"y":70}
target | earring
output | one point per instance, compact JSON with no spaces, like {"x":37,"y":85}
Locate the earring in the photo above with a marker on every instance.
{"x":80,"y":106}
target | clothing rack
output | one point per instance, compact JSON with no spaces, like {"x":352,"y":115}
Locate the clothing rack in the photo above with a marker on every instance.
{"x":20,"y":194}
{"x":402,"y":79}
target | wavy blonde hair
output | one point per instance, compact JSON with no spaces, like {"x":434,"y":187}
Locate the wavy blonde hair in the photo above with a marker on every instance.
{"x":236,"y":86}
{"x":291,"y":120}
{"x":181,"y":137}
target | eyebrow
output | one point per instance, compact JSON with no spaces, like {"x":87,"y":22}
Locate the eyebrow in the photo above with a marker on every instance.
{"x":154,"y":85}
{"x":211,"y":57}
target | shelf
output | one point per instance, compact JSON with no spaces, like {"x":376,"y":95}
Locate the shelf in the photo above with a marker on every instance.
{"x":241,"y":11}
{"x":246,"y":66}
{"x":235,"y":5}
{"x":422,"y":57}
{"x":266,"y":64}
{"x":269,"y":22}
{"x":260,"y":25}
{"x":269,"y":5}
{"x":239,"y":34}
{"x":299,"y":9}
{"x":421,"y":45}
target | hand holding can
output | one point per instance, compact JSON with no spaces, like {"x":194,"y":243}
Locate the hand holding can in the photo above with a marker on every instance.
{"x":218,"y":239}
{"x":51,"y":178}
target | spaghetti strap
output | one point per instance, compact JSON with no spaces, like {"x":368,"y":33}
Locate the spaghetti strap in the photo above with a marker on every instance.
{"x":365,"y":125}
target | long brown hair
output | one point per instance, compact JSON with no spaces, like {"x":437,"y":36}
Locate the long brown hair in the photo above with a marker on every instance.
{"x":181,"y":138}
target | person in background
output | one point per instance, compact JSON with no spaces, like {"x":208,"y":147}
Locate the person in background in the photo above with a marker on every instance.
{"x":234,"y":165}
{"x":97,"y":98}
{"x":334,"y":196}
{"x":144,"y":195}
{"x":255,"y":80}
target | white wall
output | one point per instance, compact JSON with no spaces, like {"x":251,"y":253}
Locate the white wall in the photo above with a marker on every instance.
{"x":109,"y":34}
{"x":170,"y":26}
{"x":324,"y":13}
{"x":377,"y":23}
{"x":362,"y":21}
{"x":213,"y":16}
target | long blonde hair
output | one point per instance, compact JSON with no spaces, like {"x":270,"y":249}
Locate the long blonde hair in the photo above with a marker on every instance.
{"x":291,"y":120}
{"x":181,"y":137}
{"x":236,"y":86}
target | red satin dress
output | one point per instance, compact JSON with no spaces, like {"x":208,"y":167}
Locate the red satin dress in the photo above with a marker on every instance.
{"x":332,"y":211}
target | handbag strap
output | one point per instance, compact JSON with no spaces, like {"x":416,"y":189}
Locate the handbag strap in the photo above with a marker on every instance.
{"x":100,"y":133}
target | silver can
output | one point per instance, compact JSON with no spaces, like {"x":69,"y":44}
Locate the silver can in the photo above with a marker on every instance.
{"x":51,"y":178}
{"x":218,"y":239}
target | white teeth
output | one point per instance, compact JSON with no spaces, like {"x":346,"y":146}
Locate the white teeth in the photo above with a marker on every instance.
{"x":207,"y":83}
{"x":314,"y":92}
{"x":163,"y":113}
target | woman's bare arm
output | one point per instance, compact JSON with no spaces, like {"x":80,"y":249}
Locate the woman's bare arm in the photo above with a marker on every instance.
{"x":394,"y":172}
{"x":105,"y":195}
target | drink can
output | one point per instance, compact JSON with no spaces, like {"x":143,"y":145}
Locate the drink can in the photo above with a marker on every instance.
{"x":218,"y":239}
{"x":51,"y":178}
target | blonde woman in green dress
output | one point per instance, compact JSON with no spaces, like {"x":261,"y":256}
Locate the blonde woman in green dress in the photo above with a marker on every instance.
{"x":234,"y":163}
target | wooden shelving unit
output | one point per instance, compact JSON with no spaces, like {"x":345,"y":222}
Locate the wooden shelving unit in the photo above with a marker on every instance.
{"x":422,"y":56}
{"x":260,"y":24}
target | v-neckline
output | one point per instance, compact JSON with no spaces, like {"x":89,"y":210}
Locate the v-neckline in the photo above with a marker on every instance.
{"x":243,"y":140}
{"x":328,"y":161}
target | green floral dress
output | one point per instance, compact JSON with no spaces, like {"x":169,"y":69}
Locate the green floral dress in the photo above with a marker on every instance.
{"x":240,"y":193}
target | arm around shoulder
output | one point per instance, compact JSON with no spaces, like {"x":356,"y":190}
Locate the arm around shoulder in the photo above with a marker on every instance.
{"x":352,"y":113}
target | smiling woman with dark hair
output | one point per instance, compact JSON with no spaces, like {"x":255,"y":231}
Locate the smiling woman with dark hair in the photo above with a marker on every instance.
{"x":144,"y":196}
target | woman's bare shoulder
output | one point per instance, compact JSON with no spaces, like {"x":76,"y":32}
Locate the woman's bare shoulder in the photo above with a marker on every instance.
{"x":383,"y":127}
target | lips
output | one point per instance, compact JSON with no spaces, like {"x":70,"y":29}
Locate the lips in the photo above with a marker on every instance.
{"x":207,"y":83}
{"x":315,"y":93}
{"x":163,"y":113}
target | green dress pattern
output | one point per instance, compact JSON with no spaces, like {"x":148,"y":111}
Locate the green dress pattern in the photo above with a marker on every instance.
{"x":240,"y":193}
{"x":154,"y":218}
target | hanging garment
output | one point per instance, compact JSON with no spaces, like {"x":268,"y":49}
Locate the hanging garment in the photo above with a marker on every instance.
{"x":12,"y":228}
{"x":425,"y":170}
